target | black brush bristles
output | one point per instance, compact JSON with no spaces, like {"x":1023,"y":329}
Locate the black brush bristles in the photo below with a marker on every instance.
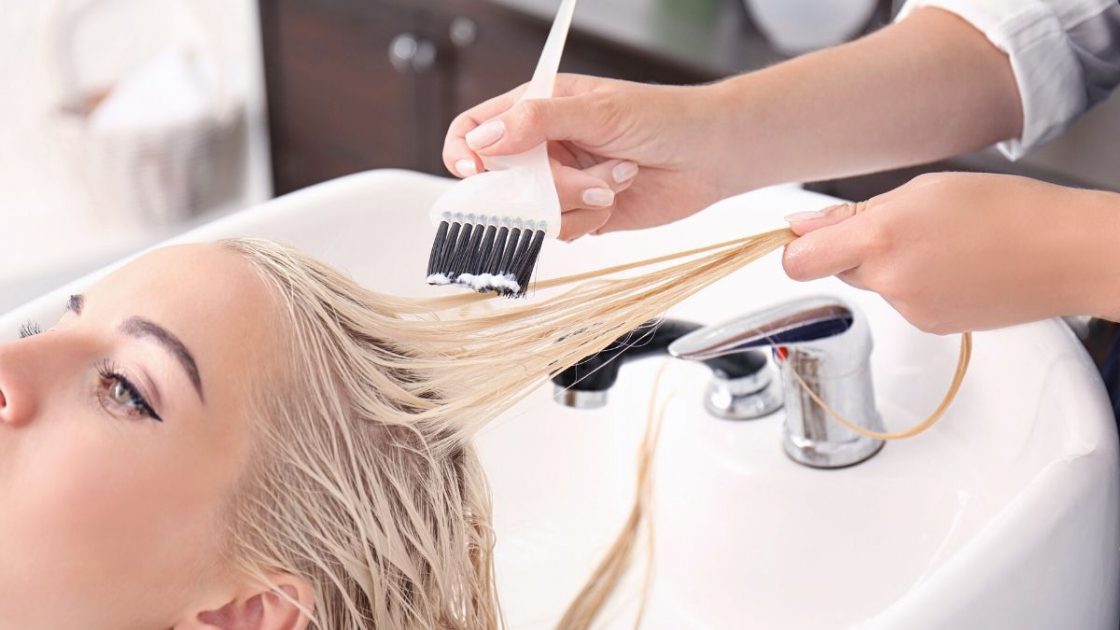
{"x":507,"y":251}
{"x":439,"y":262}
{"x":520,"y":257}
{"x":524,"y":265}
{"x":477,"y":263}
{"x":462,"y":249}
{"x":496,"y":249}
{"x":487,"y":255}
{"x":435,"y":260}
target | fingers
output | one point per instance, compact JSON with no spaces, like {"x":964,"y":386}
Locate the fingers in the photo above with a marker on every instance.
{"x":833,"y":242}
{"x":581,"y":189}
{"x":619,"y":174}
{"x":578,"y":111}
{"x":803,"y":223}
{"x":593,"y":188}
{"x":581,"y":119}
{"x":517,"y":130}
{"x":587,"y":196}
{"x":582,"y":222}
{"x":458,"y":157}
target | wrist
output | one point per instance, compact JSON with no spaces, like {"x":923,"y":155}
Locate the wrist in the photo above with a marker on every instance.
{"x":1094,"y":249}
{"x":735,"y":141}
{"x":1102,"y":253}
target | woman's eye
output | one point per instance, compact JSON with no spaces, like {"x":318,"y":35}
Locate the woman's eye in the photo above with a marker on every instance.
{"x":117,"y":391}
{"x":120,"y":394}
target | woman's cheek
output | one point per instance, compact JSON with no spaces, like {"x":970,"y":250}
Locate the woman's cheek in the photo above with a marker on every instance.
{"x":60,"y":529}
{"x":79,"y":489}
{"x":93,"y":497}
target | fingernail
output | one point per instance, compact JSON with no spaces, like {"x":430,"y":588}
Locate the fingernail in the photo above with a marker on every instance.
{"x":466,"y":168}
{"x":797,"y":217}
{"x":486,"y":134}
{"x":624,"y":172}
{"x":598,"y":197}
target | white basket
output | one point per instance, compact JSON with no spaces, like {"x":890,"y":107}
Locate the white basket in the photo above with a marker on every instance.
{"x":151,"y":175}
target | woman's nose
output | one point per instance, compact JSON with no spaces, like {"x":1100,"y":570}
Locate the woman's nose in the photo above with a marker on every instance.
{"x":20,"y":389}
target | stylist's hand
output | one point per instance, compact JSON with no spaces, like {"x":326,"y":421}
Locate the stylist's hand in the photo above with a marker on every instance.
{"x":625,"y":155}
{"x":955,"y":252}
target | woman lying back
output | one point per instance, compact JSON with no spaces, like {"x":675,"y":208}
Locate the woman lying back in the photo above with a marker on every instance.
{"x":235,"y":435}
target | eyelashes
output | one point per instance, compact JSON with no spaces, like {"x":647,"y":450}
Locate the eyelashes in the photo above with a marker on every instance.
{"x":29,"y":329}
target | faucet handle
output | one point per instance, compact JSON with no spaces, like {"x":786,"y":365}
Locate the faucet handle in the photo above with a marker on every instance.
{"x":810,"y":325}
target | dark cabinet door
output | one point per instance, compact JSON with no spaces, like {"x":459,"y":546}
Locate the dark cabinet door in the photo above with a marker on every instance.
{"x":500,"y":55}
{"x":355,"y":85}
{"x":347,"y":84}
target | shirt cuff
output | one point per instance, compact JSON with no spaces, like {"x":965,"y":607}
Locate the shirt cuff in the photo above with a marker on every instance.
{"x":1044,"y":64}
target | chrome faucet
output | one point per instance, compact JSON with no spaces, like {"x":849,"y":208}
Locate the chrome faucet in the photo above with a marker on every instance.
{"x":824,"y":340}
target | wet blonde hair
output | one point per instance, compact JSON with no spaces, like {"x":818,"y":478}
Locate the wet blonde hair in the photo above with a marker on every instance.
{"x":363,"y":479}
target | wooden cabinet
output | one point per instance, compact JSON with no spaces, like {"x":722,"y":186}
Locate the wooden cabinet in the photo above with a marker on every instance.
{"x":360,"y":84}
{"x":336,"y":102}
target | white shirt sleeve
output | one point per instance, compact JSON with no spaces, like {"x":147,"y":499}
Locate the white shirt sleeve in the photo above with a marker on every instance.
{"x":1065,"y":55}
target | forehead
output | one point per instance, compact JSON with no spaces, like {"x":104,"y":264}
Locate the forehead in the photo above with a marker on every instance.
{"x":198,"y":270}
{"x":207,"y":295}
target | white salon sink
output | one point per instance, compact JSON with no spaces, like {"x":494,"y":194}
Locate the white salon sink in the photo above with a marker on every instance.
{"x":1004,"y":515}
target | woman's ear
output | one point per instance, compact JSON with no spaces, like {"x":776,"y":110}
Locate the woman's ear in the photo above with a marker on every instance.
{"x":278,"y":606}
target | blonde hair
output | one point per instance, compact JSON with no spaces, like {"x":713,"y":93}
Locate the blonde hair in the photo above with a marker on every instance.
{"x":364,"y":481}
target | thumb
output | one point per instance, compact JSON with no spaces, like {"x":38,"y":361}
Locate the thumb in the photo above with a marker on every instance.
{"x":829,"y":244}
{"x":532,"y":122}
{"x":803,"y":223}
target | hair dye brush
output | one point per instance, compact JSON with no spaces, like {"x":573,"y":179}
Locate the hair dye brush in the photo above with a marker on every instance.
{"x":492,"y":225}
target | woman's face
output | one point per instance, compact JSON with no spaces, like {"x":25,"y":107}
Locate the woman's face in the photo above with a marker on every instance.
{"x":122,"y":430}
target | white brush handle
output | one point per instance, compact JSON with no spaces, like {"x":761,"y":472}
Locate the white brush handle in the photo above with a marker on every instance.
{"x":544,"y":80}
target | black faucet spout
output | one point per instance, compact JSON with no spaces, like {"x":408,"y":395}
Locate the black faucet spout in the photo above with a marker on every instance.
{"x":597,"y":373}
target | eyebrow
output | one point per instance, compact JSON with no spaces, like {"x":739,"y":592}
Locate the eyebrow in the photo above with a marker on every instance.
{"x":140,"y":328}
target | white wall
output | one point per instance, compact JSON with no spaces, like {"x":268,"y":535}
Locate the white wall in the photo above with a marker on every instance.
{"x":47,"y":232}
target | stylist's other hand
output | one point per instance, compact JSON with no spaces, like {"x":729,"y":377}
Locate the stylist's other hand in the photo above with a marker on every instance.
{"x":625,"y":155}
{"x":955,"y":251}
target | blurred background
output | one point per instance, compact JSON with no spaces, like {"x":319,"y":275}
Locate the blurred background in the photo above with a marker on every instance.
{"x":127,"y":121}
{"x":122,"y":122}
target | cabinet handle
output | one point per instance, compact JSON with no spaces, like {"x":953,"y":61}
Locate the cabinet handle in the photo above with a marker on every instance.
{"x":402,"y":51}
{"x":463,"y":32}
{"x":426,"y":54}
{"x":407,"y":53}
